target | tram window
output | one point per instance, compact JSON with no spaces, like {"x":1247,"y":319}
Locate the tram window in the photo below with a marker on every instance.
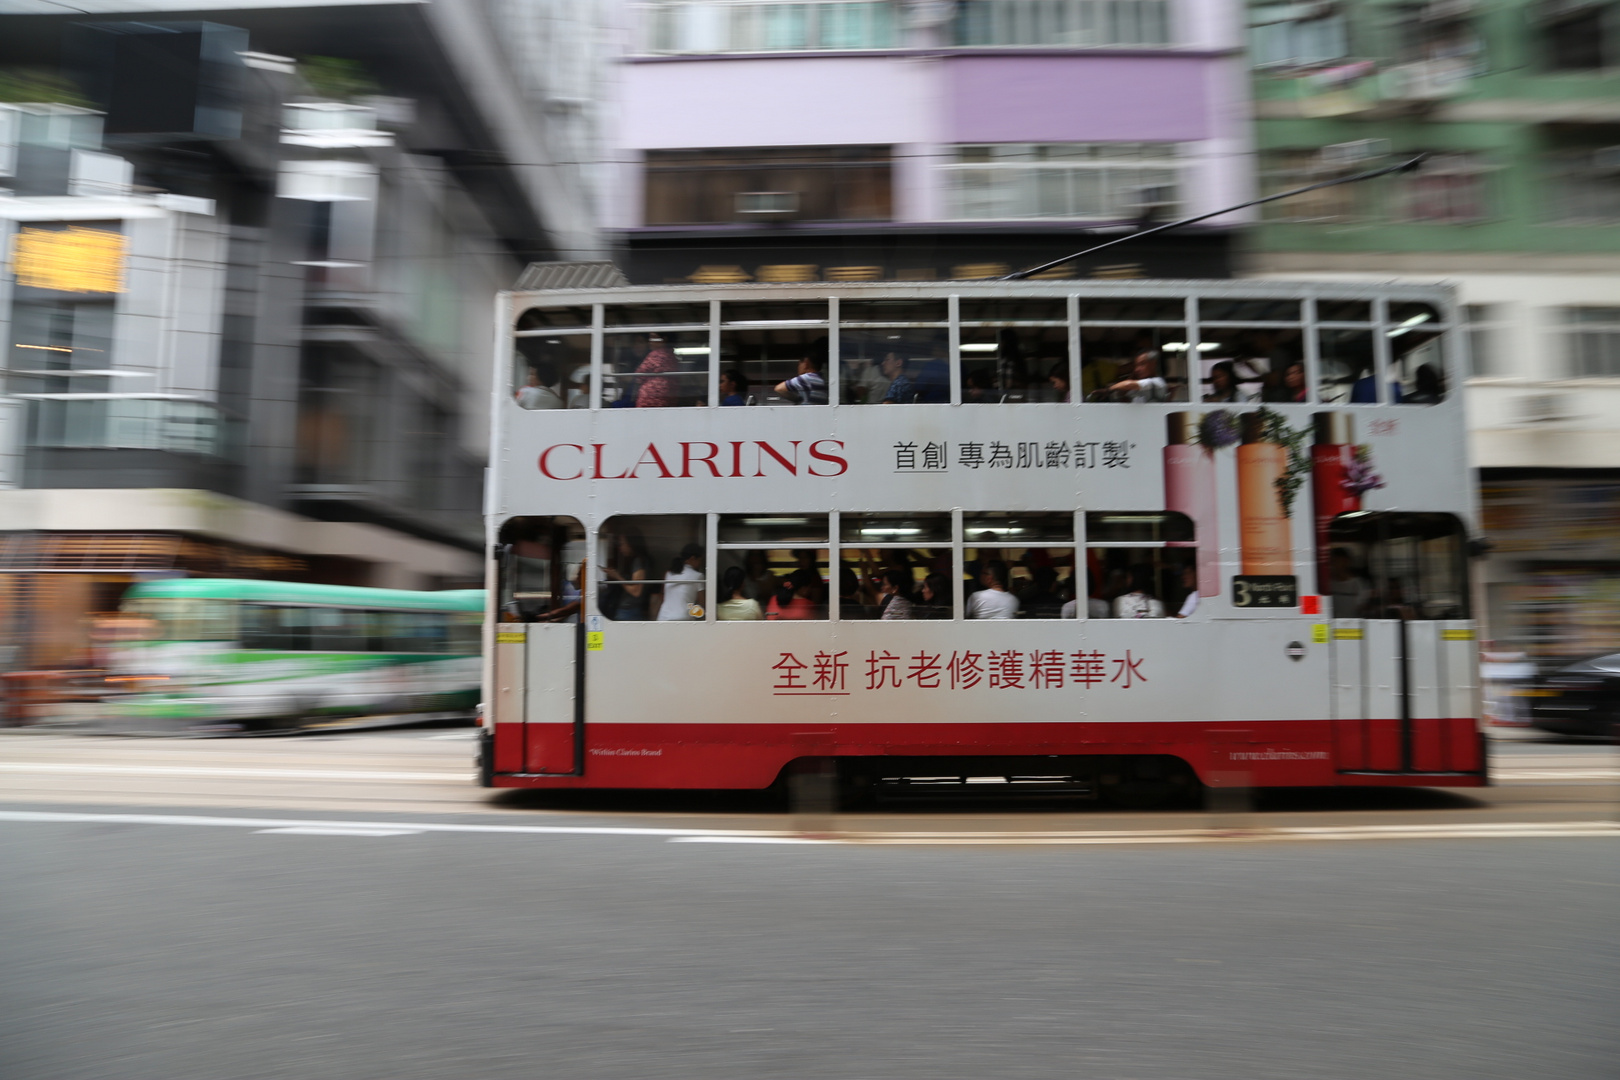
{"x":1152,"y":357}
{"x":1346,"y":366}
{"x":869,"y":529}
{"x":408,"y":631}
{"x":1026,"y":309}
{"x":655,"y":314}
{"x":1343,"y":311}
{"x":552,"y":372}
{"x":1138,"y":582}
{"x":1013,"y":527}
{"x":1134,"y":309}
{"x":894,"y":365}
{"x":1416,"y":365}
{"x":541,"y":568}
{"x":892,"y":312}
{"x":1017,"y":582}
{"x":536,"y":317}
{"x":1008,"y":364}
{"x":787,"y":583}
{"x":652,"y":567}
{"x":1242,"y":311}
{"x":654,"y":371}
{"x":756,"y":361}
{"x":1385,"y":565}
{"x":1108,"y":527}
{"x":775,"y":311}
{"x":336,"y":630}
{"x":1262,"y":364}
{"x":923,"y":581}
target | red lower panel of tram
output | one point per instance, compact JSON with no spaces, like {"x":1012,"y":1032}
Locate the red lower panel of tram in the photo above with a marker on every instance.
{"x":1442,"y":752}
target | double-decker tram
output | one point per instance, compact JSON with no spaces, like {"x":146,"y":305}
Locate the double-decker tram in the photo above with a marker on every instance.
{"x":1129,"y":537}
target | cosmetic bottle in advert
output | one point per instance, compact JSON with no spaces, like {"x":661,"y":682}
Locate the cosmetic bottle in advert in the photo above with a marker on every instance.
{"x":1333,"y":451}
{"x":1262,"y":525}
{"x":1189,"y":488}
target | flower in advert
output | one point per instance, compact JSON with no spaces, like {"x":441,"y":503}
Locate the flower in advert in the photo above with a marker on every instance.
{"x":1359,"y":476}
{"x":1218,"y":429}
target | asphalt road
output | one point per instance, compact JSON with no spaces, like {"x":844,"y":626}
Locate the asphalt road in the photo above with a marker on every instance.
{"x":171,"y":952}
{"x":351,"y":907}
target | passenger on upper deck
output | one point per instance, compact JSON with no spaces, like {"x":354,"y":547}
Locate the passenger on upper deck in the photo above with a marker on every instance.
{"x":1146,"y":384}
{"x":902,"y":390}
{"x":809,"y":385}
{"x":1223,"y":385}
{"x":540,"y":391}
{"x":656,"y":392}
{"x":993,"y":601}
{"x":733,"y":387}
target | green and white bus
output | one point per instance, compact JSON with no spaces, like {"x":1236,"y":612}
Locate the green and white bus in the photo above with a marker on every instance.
{"x":280,"y":654}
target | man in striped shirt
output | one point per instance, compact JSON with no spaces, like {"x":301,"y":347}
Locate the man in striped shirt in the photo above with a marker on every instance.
{"x":809,"y":385}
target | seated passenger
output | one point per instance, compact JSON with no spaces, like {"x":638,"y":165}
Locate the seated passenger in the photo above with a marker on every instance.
{"x":683,"y":587}
{"x":540,"y":389}
{"x":895,"y":586}
{"x":656,"y":393}
{"x":1223,"y":385}
{"x":1427,"y":389}
{"x":733,"y":387}
{"x":1042,"y":599}
{"x":993,"y":601}
{"x":1189,"y":582}
{"x":1058,"y":379}
{"x":1145,"y":384}
{"x":977,"y":389}
{"x":579,"y":392}
{"x":736,"y":607}
{"x":901,"y":391}
{"x":809,"y":385}
{"x":933,"y":598}
{"x":799,"y":597}
{"x":1138,"y":603}
{"x":760,"y":583}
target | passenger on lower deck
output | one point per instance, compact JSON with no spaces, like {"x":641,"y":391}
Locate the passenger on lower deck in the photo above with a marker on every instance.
{"x":993,"y":601}
{"x":895,"y":587}
{"x":736,"y":607}
{"x":683,"y":586}
{"x":1138,"y":603}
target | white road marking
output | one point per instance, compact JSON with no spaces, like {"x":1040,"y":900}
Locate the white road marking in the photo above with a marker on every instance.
{"x":1555,"y":774}
{"x":1459,"y":831}
{"x":336,"y":831}
{"x":225,"y":772}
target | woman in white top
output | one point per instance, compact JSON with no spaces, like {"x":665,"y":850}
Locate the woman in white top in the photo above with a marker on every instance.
{"x":736,"y":607}
{"x":993,"y":601}
{"x":894,"y":586}
{"x":536,"y":393}
{"x":683,"y":586}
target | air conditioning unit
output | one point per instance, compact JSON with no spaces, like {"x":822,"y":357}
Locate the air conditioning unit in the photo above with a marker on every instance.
{"x":1346,"y":154}
{"x":1544,"y":408}
{"x":767,"y":204}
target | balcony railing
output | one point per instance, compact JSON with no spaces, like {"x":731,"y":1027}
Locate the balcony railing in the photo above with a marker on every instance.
{"x":124,"y":422}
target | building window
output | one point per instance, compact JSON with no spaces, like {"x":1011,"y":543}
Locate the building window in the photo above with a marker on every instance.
{"x":1446,"y":188}
{"x":1297,"y":35}
{"x":1593,"y":336}
{"x":1063,"y":22}
{"x":721,"y":26}
{"x":1575,"y":34}
{"x":825,"y":183}
{"x":1583,"y":174}
{"x":1085,"y":181}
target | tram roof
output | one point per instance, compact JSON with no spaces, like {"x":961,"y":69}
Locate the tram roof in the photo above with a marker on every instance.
{"x":297,"y":592}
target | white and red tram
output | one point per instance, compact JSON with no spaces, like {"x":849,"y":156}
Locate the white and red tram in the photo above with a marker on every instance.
{"x":1145,"y":533}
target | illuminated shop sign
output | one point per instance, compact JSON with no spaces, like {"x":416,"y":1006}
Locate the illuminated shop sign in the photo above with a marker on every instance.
{"x":74,"y":259}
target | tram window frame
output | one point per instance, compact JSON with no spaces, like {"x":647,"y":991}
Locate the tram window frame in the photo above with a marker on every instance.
{"x":1415,"y":336}
{"x":1058,"y":535}
{"x":775,"y":533}
{"x":863,"y":538}
{"x":1169,"y":532}
{"x":1368,"y":536}
{"x":548,"y":559}
{"x":1253,"y":369}
{"x":690,"y":386}
{"x":672,"y":534}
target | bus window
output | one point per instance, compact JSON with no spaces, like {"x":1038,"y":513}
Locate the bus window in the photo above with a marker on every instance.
{"x":337,"y":630}
{"x":783,"y":558}
{"x":277,"y":629}
{"x":540,"y":559}
{"x":666,"y":369}
{"x":1019,"y":566}
{"x":652,"y":567}
{"x":893,"y":352}
{"x":1345,"y":364}
{"x":1384,"y":565}
{"x":1416,"y":366}
{"x":408,"y":631}
{"x":1238,"y":364}
{"x":465,"y":633}
{"x":1140,"y":565}
{"x":552,"y":371}
{"x":185,"y":619}
{"x":897,"y":549}
{"x":1133,"y":363}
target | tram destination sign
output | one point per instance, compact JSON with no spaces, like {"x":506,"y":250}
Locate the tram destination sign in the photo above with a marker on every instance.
{"x":1264,"y":590}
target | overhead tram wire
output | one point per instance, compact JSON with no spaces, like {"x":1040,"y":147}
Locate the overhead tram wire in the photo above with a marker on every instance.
{"x":1405,"y":166}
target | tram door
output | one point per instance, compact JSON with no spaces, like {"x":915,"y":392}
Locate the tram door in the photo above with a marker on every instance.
{"x":540,"y":644}
{"x":1404,"y":668}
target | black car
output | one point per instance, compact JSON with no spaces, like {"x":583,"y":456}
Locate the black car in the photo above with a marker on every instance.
{"x":1581,"y":699}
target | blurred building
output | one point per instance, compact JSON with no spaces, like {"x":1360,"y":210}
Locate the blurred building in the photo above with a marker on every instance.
{"x":247,"y":311}
{"x":924,"y":139}
{"x":1517,"y":104}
